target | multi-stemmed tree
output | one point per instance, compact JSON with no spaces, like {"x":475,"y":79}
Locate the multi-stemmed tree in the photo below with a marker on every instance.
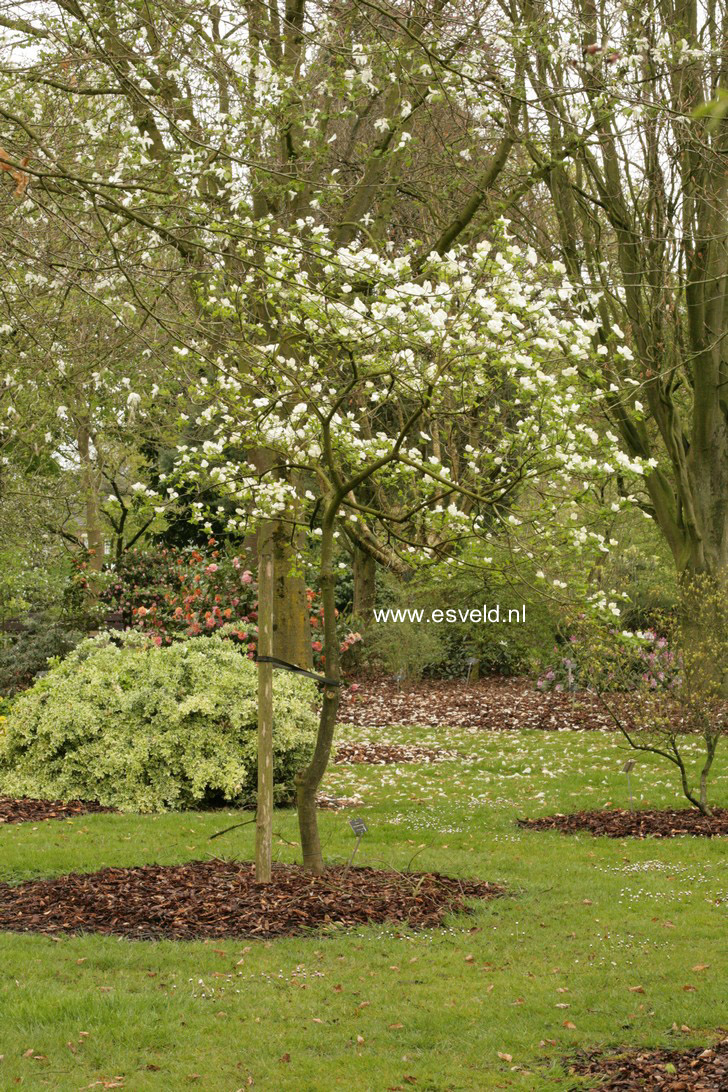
{"x":634,"y":198}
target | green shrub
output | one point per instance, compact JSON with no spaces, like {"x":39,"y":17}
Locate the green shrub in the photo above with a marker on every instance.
{"x":29,"y":654}
{"x":445,"y":649}
{"x":144,"y":728}
{"x":402,"y":649}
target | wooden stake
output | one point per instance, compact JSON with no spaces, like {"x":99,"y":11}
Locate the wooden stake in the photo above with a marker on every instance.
{"x":264,"y":815}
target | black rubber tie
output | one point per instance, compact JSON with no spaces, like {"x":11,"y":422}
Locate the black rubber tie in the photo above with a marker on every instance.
{"x":320,"y":679}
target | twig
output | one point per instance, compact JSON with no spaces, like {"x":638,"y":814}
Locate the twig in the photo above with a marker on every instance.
{"x":235,"y":826}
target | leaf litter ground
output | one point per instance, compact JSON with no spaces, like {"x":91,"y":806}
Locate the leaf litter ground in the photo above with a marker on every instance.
{"x":492,"y":703}
{"x":25,"y":810}
{"x":697,"y":1070}
{"x":218,"y":898}
{"x":618,"y":823}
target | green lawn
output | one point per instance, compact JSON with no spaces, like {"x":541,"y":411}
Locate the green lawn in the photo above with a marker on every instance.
{"x":533,"y":976}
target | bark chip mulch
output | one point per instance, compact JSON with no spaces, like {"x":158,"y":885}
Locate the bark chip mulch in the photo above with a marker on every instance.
{"x":617,"y":823}
{"x":217,"y":898}
{"x":493,"y":703}
{"x":390,"y":754}
{"x":696,"y":1070}
{"x":25,"y":810}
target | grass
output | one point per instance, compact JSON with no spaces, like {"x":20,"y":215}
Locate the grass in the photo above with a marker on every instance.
{"x":586,"y":922}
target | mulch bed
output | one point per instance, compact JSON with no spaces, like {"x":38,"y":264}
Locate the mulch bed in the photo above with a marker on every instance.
{"x":492,"y":703}
{"x":697,"y":1070}
{"x":617,"y":823}
{"x":25,"y":810}
{"x":217,"y":898}
{"x":389,"y":754}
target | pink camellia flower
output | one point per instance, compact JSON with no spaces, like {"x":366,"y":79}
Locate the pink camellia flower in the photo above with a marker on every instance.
{"x":236,"y":562}
{"x":316,"y":646}
{"x":212,"y":568}
{"x":247,"y":577}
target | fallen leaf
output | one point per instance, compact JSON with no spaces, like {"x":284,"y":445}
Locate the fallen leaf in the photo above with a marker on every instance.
{"x":396,"y":1027}
{"x":285,"y":1057}
{"x":505,"y":1057}
{"x":636,"y":989}
{"x":701,"y":966}
{"x":568,"y":1024}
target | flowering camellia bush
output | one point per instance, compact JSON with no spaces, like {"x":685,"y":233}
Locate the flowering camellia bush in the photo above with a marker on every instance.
{"x":191,"y":592}
{"x":172,"y":592}
{"x":143,"y":727}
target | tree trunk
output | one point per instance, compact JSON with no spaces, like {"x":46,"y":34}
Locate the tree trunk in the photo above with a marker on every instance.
{"x":309,"y":779}
{"x":291,"y":625}
{"x":365,"y":586}
{"x":264,"y":813}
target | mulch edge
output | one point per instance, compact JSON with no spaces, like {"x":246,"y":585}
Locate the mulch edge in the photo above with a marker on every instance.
{"x":202,"y":902}
{"x":585,"y":1062}
{"x":564,"y":824}
{"x":56,"y":809}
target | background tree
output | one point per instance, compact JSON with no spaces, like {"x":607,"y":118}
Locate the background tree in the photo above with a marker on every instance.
{"x":633,"y":167}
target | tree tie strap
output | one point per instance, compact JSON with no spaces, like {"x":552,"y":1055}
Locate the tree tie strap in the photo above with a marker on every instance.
{"x":320,"y":679}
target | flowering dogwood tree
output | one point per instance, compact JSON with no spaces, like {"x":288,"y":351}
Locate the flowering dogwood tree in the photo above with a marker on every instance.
{"x":370,"y":350}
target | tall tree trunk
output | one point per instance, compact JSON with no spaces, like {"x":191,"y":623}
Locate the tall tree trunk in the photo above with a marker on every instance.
{"x":264,"y":812}
{"x":309,"y":779}
{"x":365,"y":586}
{"x":291,"y":624}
